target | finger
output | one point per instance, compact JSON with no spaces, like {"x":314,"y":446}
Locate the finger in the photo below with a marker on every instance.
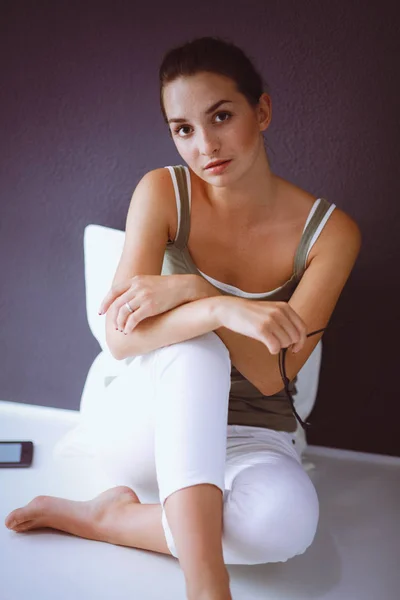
{"x":280,"y":333}
{"x":122,"y":310}
{"x":127,"y":296}
{"x":107,"y":301}
{"x":300,"y":326}
{"x":123,"y":313}
{"x":113,"y":293}
{"x":272,"y":342}
{"x":134,"y":319}
{"x":288,"y":333}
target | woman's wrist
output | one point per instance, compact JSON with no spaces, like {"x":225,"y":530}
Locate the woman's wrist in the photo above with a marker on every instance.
{"x":200,"y":288}
{"x":216,"y":307}
{"x":195,"y":287}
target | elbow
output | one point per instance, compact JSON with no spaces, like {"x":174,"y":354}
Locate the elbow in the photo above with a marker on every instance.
{"x":265,"y":390}
{"x":116,"y":349}
{"x":121,"y":348}
{"x":117,"y":355}
{"x":116,"y":342}
{"x":269,"y":388}
{"x":263,"y":387}
{"x":115,"y":352}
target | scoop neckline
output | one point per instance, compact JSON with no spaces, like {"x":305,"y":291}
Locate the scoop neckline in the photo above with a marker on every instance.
{"x":226,"y":286}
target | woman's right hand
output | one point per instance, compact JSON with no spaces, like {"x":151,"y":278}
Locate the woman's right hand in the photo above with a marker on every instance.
{"x":275,"y":324}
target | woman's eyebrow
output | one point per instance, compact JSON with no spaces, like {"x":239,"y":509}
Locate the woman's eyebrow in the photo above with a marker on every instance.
{"x":207,"y":112}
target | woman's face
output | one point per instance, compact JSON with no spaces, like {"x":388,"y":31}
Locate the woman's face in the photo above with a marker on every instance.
{"x":230,"y":131}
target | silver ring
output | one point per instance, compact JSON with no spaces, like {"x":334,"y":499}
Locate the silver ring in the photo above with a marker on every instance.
{"x":128,"y":307}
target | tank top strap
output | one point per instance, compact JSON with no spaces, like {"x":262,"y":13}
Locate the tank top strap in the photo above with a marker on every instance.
{"x":310,"y":234}
{"x":315,"y":223}
{"x":180,"y":180}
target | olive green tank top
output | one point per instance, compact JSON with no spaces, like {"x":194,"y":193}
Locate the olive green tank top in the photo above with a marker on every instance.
{"x":247,"y":405}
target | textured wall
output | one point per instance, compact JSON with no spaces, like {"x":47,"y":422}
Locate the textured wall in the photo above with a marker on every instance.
{"x":80,"y":125}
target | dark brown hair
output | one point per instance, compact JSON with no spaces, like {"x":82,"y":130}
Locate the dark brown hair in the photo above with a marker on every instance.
{"x":214,"y":55}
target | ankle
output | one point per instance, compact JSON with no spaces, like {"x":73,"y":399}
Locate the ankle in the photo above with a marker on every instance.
{"x":210,"y":586}
{"x":211,"y":594}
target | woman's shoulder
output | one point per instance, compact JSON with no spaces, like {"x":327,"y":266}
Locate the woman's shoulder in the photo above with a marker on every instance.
{"x":339,"y":228}
{"x":161,"y":179}
{"x":295,"y":202}
{"x":300,"y":201}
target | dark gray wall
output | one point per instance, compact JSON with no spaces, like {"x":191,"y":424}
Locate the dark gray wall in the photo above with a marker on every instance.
{"x":80,"y":125}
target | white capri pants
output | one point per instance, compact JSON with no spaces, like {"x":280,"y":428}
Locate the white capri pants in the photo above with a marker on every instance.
{"x":162,"y":426}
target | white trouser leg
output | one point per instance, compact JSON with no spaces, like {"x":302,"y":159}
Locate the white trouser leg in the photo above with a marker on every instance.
{"x":271,"y":510}
{"x":162,"y":424}
{"x":271,"y":507}
{"x":191,"y":415}
{"x":163,"y":427}
{"x":122,"y":429}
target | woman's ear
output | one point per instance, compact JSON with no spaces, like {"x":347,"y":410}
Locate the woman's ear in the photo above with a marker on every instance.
{"x":264,"y":111}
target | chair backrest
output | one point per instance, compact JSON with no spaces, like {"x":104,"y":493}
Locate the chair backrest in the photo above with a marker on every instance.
{"x":102,"y":251}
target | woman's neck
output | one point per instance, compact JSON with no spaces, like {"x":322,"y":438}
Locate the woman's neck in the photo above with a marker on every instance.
{"x":249,"y":199}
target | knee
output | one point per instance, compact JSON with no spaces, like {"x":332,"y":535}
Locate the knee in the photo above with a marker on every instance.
{"x":208,"y":342}
{"x":273,"y":513}
{"x":206,"y":349}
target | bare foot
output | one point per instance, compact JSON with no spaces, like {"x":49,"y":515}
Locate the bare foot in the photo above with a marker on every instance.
{"x":89,"y":519}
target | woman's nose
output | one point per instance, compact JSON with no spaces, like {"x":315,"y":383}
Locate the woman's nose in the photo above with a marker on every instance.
{"x":208,"y":144}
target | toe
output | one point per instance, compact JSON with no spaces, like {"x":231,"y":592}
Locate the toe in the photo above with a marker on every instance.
{"x":35,"y":509}
{"x":15,"y":521}
{"x":11,"y":520}
{"x":25,"y":526}
{"x":18,"y":526}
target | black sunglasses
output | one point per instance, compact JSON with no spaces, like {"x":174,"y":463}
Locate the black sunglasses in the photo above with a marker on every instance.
{"x":286,"y":381}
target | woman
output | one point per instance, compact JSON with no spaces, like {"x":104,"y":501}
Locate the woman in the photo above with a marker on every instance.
{"x":202,"y":339}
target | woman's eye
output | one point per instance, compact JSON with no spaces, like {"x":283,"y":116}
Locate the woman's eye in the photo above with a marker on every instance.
{"x":178,"y":129}
{"x":224,"y":113}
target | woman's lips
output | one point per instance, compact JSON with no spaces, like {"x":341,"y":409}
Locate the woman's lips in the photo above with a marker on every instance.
{"x":218,"y":168}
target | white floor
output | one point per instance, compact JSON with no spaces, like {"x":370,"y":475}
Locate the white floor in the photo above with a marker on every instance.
{"x":355,"y":555}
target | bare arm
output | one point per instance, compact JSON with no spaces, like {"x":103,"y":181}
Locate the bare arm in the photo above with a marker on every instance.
{"x":314,"y":301}
{"x":182,"y":323}
{"x":250,"y":357}
{"x":196,"y":315}
{"x":146,"y":237}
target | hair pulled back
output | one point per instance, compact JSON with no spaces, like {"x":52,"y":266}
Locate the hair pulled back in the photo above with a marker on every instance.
{"x":214,"y":55}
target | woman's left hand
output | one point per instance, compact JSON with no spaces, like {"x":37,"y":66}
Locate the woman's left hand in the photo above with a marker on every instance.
{"x":148,"y":295}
